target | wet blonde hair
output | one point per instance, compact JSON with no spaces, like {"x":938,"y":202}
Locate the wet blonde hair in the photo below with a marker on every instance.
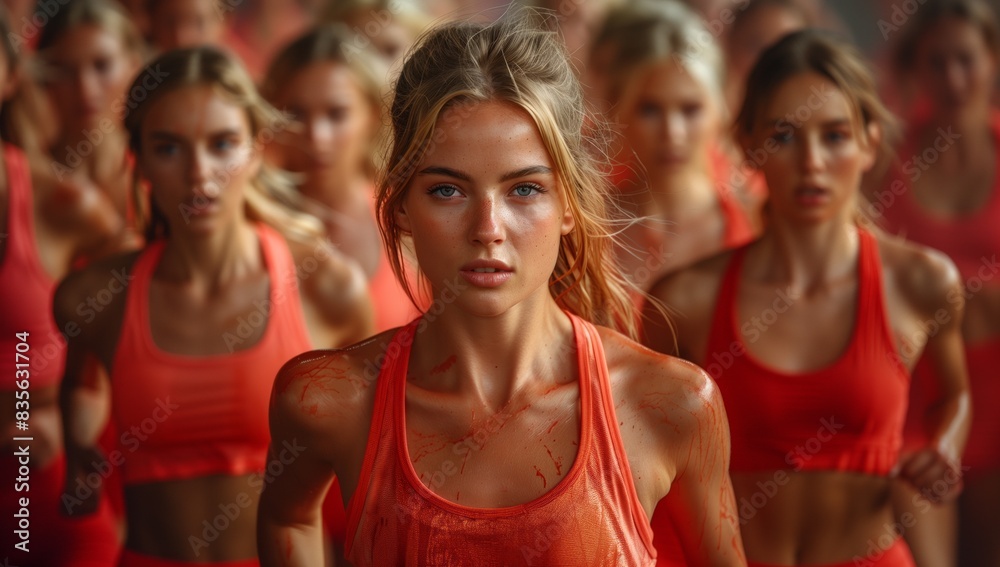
{"x":515,"y":60}
{"x":271,"y":196}
{"x":644,"y":32}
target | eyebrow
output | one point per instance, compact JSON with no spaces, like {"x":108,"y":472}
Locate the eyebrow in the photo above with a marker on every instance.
{"x":448,"y":172}
{"x":163,"y":135}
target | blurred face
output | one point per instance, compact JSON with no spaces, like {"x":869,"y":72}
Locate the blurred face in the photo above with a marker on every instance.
{"x":91,"y":71}
{"x":388,"y":38}
{"x":197,"y":154}
{"x":336,"y":122}
{"x":813,"y":171}
{"x":484,"y":209}
{"x":669,"y":119}
{"x":955,"y":67}
{"x":185,"y":23}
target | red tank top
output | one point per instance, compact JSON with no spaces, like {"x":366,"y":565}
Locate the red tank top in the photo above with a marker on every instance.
{"x":970,"y":240}
{"x":847,"y":416}
{"x":26,"y":288}
{"x":591,"y":517}
{"x":190,"y":416}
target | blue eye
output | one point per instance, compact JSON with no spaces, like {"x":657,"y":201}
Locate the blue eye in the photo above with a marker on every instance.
{"x":528,"y":189}
{"x":782,"y":137}
{"x":443,"y":191}
{"x":836,"y":136}
{"x":225,"y":144}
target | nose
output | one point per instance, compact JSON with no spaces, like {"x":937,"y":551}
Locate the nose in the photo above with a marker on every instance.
{"x":319,"y":133}
{"x":486,"y":225}
{"x":200,"y":172}
{"x":89,"y":87}
{"x":811,"y":154}
{"x":954,"y":77}
{"x":674,"y":127}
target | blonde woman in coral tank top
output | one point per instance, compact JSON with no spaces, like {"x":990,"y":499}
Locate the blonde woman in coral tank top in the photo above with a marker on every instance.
{"x":504,"y":426}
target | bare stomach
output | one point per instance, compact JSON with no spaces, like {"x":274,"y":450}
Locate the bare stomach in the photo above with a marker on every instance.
{"x":203,"y":519}
{"x":982,"y":314}
{"x":796,"y":518}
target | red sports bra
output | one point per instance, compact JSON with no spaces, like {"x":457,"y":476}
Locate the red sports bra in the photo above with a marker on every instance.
{"x":971,"y":241}
{"x":847,"y":416}
{"x":190,"y":416}
{"x":591,"y":517}
{"x":26,"y":288}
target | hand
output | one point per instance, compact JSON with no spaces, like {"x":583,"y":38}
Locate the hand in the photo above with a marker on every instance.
{"x":937,"y":477}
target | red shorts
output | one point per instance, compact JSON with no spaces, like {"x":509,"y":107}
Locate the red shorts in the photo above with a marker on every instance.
{"x":133,"y":559}
{"x":897,"y":555}
{"x":54,"y":540}
{"x":982,"y":452}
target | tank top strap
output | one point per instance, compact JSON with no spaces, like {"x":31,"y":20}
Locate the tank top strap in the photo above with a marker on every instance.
{"x":873,"y":330}
{"x":381,"y":430}
{"x":722,"y":332}
{"x":604,"y":421}
{"x":285,"y":315}
{"x":135,"y":326}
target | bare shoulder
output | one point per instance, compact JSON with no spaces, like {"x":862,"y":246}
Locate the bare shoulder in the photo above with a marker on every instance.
{"x":328,"y":279}
{"x":93,"y":298}
{"x":330,"y":393}
{"x":689,"y":296}
{"x":673,"y":397}
{"x":926,"y":278}
{"x":693,"y":287}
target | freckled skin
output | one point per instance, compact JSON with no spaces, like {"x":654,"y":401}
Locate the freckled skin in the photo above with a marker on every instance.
{"x":504,"y":414}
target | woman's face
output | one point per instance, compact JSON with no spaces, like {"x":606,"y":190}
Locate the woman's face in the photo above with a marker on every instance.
{"x":955,"y":67}
{"x":90,"y":72}
{"x":197,"y":152}
{"x":186,"y":23}
{"x":485,"y":210}
{"x":336,"y":123}
{"x":669,"y":119}
{"x":816,"y":150}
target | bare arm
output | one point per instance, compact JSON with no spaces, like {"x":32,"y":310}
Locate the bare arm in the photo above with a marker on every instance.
{"x":937,"y":292}
{"x":84,"y":401}
{"x":312,"y":407}
{"x":702,"y":504}
{"x":338,"y":294}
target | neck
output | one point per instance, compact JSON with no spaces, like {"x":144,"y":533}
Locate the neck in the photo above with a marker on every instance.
{"x":498,"y":360}
{"x":211,"y":260}
{"x":808,"y":257}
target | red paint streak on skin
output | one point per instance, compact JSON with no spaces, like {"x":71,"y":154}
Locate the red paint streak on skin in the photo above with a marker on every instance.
{"x":312,"y":410}
{"x":464,"y":460}
{"x":444,"y":366}
{"x":458,"y":496}
{"x":557,"y":463}
{"x":539,"y":474}
{"x":551,"y":427}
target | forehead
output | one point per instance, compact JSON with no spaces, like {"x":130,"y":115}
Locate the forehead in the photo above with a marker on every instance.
{"x":669,"y":78}
{"x":486,"y":137}
{"x":806,"y":98}
{"x":320,"y":82}
{"x":84,"y":41}
{"x":194,"y":111}
{"x":953,"y":34}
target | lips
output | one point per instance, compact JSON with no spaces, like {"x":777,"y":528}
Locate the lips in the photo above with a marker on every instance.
{"x":810,"y":195}
{"x":486,"y":273}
